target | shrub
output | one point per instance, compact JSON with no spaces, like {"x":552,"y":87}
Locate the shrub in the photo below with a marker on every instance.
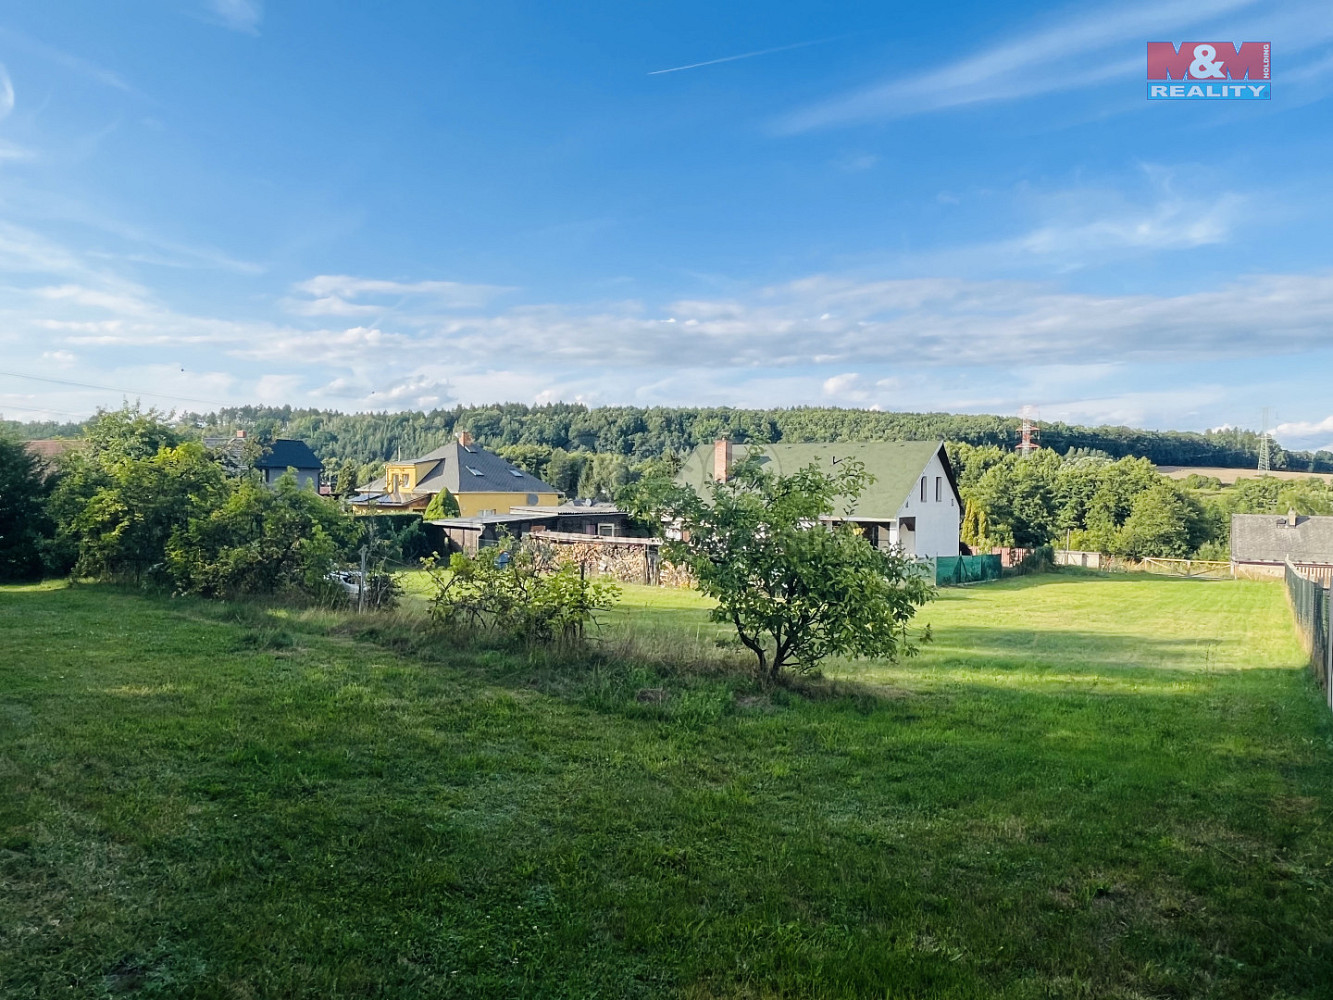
{"x":442,"y":504}
{"x":260,"y":541}
{"x":501,"y":591}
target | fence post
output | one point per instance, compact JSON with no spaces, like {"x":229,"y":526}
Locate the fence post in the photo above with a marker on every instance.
{"x":1328,"y":644}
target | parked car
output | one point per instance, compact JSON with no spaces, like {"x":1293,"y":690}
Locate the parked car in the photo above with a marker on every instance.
{"x":349,"y":580}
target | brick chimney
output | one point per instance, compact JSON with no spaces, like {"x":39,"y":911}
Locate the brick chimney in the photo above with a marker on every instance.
{"x":465,"y":439}
{"x":1292,"y":518}
{"x":240,"y":435}
{"x":721,"y":459}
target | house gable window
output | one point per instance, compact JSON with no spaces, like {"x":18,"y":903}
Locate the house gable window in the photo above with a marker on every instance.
{"x":939,"y":488}
{"x":923,"y":488}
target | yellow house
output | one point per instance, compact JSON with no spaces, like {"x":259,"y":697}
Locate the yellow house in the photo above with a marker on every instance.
{"x":481,"y":481}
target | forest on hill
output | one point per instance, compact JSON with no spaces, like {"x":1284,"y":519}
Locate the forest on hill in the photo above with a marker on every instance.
{"x":636,"y":434}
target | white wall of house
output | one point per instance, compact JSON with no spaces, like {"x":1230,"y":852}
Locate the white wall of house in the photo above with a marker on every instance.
{"x":938,"y":516}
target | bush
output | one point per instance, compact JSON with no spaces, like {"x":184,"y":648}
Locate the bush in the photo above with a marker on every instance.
{"x":502,"y":592}
{"x":442,"y":504}
{"x":261,"y":541}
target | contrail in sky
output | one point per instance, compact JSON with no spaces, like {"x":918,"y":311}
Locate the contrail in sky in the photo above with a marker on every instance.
{"x":746,"y":55}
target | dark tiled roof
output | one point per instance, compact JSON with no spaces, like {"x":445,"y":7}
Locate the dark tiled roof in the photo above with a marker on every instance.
{"x":286,"y":453}
{"x":470,"y":469}
{"x":1269,"y":538}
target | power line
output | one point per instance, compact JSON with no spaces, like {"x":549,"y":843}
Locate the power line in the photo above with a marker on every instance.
{"x":39,"y":409}
{"x":112,"y":388}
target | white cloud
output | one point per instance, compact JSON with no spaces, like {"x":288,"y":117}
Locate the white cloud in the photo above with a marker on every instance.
{"x":239,"y":15}
{"x":1166,"y":226}
{"x":68,"y":60}
{"x":1305,"y":428}
{"x":867,"y":340}
{"x":333,"y":295}
{"x":94,"y":298}
{"x":6,"y":93}
{"x":12,"y":153}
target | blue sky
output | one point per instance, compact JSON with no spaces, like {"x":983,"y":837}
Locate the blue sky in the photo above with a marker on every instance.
{"x":961,"y":206}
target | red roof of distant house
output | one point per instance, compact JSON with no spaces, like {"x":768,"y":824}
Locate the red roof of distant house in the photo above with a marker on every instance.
{"x":49,"y":449}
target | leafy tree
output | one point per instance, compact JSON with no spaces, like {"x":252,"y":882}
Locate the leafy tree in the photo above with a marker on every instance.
{"x":129,"y":433}
{"x":564,"y":470}
{"x":121,"y":530}
{"x":260,"y":541}
{"x":442,"y":504}
{"x":345,"y":483}
{"x":603,"y":476}
{"x":25,"y":525}
{"x":795,"y":589}
{"x":1164,"y":522}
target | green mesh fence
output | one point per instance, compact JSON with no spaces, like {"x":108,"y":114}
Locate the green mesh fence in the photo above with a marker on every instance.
{"x":953,"y":571}
{"x":1312,"y":604}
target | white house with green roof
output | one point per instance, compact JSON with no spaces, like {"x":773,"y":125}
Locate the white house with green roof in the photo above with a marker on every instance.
{"x":913,"y":502}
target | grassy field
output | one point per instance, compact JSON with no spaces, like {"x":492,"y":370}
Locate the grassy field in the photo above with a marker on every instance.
{"x":1084,"y":787}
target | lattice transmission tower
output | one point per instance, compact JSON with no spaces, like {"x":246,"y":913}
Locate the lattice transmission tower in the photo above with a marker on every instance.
{"x":1029,"y":434}
{"x":1265,"y":446}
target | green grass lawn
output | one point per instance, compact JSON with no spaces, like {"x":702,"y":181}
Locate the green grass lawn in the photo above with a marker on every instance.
{"x":1084,"y":787}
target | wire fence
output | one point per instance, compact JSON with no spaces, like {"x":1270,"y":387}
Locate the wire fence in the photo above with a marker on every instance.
{"x":954,"y":571}
{"x":1312,"y":603}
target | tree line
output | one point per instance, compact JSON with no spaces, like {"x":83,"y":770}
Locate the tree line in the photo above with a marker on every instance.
{"x":1093,"y":502}
{"x":141,"y":503}
{"x":637,"y":434}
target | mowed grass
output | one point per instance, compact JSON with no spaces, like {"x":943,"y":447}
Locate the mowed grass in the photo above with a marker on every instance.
{"x":1084,"y":787}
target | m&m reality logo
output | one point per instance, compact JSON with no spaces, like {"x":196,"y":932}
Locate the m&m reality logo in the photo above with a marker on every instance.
{"x":1209,"y":71}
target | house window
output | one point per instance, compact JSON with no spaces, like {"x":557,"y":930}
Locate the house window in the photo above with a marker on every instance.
{"x":923,"y":487}
{"x":939,"y":488}
{"x":533,"y":499}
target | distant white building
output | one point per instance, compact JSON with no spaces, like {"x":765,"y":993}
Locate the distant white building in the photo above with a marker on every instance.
{"x":913,"y":503}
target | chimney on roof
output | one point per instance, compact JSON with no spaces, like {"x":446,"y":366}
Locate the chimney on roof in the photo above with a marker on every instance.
{"x":241,"y":435}
{"x":1292,"y":518}
{"x":465,"y":439}
{"x":721,"y":459}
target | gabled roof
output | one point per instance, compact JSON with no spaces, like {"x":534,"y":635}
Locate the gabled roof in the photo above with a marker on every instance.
{"x":466,"y":469}
{"x":896,"y":466}
{"x":288,"y":453}
{"x":1269,"y":538}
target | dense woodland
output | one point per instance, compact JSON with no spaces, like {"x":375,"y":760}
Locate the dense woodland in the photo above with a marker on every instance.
{"x":636,"y":434}
{"x":1088,"y":488}
{"x":1089,"y":501}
